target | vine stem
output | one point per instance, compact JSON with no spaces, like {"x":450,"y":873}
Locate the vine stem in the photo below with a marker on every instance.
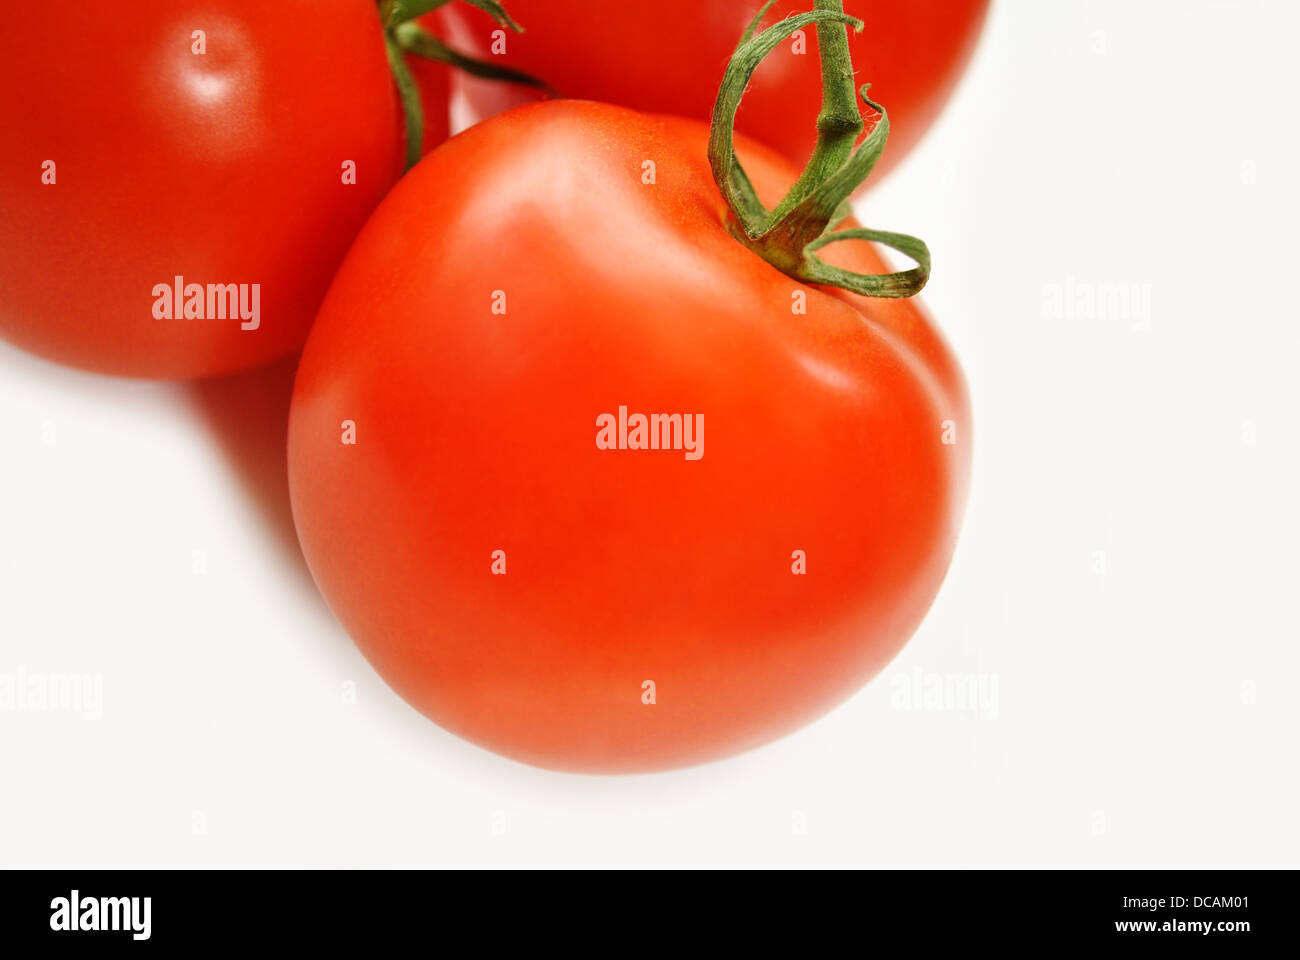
{"x":803,"y":222}
{"x":409,"y":94}
{"x":839,"y":124}
{"x":402,"y":35}
{"x":414,"y":39}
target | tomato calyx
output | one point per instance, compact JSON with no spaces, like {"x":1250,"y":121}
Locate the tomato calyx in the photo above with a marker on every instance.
{"x":789,"y":235}
{"x":402,"y":35}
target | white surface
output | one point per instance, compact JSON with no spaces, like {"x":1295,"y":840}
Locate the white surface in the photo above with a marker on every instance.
{"x":1144,"y":715}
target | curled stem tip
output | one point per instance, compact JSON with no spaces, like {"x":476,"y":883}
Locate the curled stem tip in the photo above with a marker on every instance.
{"x":804,"y":221}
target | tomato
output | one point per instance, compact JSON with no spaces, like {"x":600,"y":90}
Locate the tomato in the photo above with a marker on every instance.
{"x":520,"y":297}
{"x":434,"y":82}
{"x":668,"y":56}
{"x":223,"y":167}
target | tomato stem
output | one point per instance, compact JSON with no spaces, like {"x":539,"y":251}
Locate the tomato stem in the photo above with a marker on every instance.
{"x":409,"y":94}
{"x":414,"y":39}
{"x":803,"y":222}
{"x":395,"y":12}
{"x":403,"y":36}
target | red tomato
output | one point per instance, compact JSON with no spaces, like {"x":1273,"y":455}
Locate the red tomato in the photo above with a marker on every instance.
{"x":668,"y":57}
{"x":434,"y":82}
{"x":526,"y":588}
{"x":222,"y":167}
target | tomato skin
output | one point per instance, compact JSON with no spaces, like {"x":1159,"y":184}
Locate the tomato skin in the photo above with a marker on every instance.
{"x":221,"y":167}
{"x":434,"y":82}
{"x":669,"y":57}
{"x":475,"y":432}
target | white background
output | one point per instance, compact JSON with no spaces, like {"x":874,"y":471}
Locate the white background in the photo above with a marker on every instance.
{"x":1127,"y":575}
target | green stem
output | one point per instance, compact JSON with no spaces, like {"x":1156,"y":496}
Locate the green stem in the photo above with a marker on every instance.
{"x":902,"y":284}
{"x":727,"y":171}
{"x":402,"y":35}
{"x":839,"y":124}
{"x":409,"y":93}
{"x":395,"y":12}
{"x":415,"y":40}
{"x":804,"y":220}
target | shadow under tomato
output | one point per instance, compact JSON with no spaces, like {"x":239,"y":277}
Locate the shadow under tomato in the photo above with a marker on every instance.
{"x":248,"y":415}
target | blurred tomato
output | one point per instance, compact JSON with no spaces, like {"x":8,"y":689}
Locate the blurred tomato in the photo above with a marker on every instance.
{"x":669,"y":56}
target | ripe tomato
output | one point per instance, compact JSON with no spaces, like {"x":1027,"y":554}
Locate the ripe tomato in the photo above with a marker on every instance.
{"x":434,"y":82}
{"x":204,"y":140}
{"x":668,"y":56}
{"x":520,"y":295}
